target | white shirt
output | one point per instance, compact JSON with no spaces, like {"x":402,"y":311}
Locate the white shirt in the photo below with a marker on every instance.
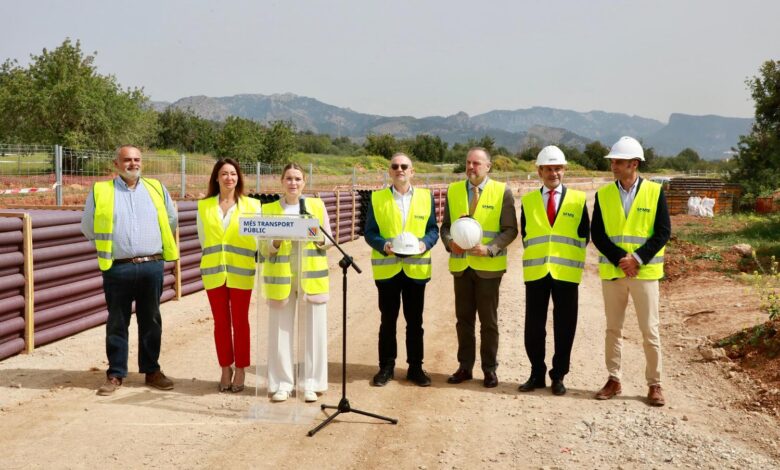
{"x":404,"y":203}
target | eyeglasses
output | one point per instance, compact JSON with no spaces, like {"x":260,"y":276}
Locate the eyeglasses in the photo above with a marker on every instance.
{"x":403,"y":166}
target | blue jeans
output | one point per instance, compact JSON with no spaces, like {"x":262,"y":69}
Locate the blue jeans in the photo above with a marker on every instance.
{"x":123,"y":284}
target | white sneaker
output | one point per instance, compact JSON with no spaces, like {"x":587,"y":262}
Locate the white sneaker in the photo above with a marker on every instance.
{"x":281,"y":395}
{"x":309,"y":396}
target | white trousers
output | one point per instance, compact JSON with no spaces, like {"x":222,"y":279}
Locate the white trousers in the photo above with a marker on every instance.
{"x":281,"y":344}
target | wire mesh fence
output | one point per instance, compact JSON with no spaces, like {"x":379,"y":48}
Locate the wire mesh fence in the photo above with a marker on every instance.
{"x":46,"y":175}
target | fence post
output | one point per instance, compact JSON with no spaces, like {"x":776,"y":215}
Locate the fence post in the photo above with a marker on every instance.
{"x":311,"y":175}
{"x":257,"y":181}
{"x":354,"y":177}
{"x":183,"y":176}
{"x":58,"y":174}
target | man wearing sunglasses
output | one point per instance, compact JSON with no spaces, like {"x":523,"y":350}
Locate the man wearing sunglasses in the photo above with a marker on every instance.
{"x":477,"y":271}
{"x":395,"y":210}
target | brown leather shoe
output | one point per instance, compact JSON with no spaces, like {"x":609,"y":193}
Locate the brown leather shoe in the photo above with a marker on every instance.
{"x":460,"y":375}
{"x":655,"y":396}
{"x":609,"y":390}
{"x":159,"y":381}
{"x":111,"y":386}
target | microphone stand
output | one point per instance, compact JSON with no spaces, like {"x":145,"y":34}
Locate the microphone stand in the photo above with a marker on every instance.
{"x":343,"y":406}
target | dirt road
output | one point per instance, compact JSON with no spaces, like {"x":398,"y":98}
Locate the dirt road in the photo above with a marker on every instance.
{"x":50,"y":416}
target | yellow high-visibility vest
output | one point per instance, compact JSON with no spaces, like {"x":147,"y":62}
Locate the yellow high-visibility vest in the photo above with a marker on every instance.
{"x":488,"y":214}
{"x":277,"y":272}
{"x":632,"y":232}
{"x":556,"y":249}
{"x":227,"y":257}
{"x":388,"y":218}
{"x":103,"y":193}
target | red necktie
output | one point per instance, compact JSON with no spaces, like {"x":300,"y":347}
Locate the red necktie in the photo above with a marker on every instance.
{"x":551,"y":207}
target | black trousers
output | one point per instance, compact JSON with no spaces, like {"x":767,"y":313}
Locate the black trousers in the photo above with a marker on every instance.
{"x":537,"y":297}
{"x":474,"y":296}
{"x":391,"y":293}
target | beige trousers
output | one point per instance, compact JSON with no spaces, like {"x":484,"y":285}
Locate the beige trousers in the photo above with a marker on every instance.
{"x":645,"y":295}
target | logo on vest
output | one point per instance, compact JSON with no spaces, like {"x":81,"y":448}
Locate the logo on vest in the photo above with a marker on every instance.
{"x":643,"y":209}
{"x":567,"y":214}
{"x":419,"y":217}
{"x":490,"y":208}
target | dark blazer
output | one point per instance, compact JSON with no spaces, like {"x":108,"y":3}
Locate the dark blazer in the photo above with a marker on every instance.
{"x":507,"y":233}
{"x":583,"y":230}
{"x":662,"y":231}
{"x":377,"y":242}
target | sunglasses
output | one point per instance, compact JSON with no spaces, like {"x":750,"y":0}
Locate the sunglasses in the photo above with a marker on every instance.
{"x":403,"y":166}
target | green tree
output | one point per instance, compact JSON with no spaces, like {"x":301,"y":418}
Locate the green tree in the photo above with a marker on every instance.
{"x":384,"y":145}
{"x":428,"y":148}
{"x":593,"y":156}
{"x":686,"y":160}
{"x":241,"y":139}
{"x":60,"y":98}
{"x":278,"y":142}
{"x":758,"y":157}
{"x":529,"y":154}
{"x":186,"y":132}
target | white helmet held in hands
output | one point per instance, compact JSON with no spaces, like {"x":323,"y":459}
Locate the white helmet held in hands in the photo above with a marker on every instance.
{"x":627,"y":148}
{"x":466,"y":232}
{"x":406,"y":244}
{"x":550,"y":155}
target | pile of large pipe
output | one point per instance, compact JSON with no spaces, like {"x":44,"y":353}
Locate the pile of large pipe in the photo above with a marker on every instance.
{"x":344,"y":210}
{"x":11,"y":287}
{"x":68,"y":284}
{"x":189,"y":247}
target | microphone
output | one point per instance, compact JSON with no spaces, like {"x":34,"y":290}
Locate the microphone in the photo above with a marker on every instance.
{"x":302,"y":209}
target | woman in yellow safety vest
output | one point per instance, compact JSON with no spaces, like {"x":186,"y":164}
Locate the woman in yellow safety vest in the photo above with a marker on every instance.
{"x":227,"y":267}
{"x":279,"y":288}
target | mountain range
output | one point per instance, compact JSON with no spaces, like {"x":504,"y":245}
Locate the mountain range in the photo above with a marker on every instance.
{"x":711,"y":136}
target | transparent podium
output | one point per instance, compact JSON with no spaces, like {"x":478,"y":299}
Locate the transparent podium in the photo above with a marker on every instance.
{"x":281,"y":326}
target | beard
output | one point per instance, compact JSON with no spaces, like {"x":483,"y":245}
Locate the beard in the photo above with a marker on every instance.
{"x":130,"y":174}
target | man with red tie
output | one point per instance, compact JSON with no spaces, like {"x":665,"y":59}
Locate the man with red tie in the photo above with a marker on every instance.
{"x":555,"y":228}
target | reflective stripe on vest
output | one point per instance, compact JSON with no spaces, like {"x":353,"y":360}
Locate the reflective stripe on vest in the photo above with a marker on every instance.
{"x":632,"y":232}
{"x":388,"y":218}
{"x":103,"y":193}
{"x":277,"y":272}
{"x":557,"y":250}
{"x":227,"y":257}
{"x":488,"y":214}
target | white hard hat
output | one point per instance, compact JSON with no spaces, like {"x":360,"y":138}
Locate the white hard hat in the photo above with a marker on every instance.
{"x":406,"y":244}
{"x":627,"y":148}
{"x":550,"y":155}
{"x":466,"y":232}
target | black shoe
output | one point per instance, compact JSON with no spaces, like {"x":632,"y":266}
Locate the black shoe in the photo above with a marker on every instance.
{"x":418,"y":376}
{"x":557,"y":387}
{"x":381,"y":378}
{"x":532,"y":384}
{"x":460,"y":375}
{"x":491,"y":380}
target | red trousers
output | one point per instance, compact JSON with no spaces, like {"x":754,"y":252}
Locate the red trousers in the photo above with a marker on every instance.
{"x":230,"y":308}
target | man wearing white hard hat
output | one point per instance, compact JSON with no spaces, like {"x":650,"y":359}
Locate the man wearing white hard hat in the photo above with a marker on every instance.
{"x":401,"y":229}
{"x":477,"y":269}
{"x":555,"y":227}
{"x":630,"y":228}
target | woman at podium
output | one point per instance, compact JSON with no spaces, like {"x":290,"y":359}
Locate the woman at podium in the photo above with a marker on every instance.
{"x":281,"y":295}
{"x":227,"y":267}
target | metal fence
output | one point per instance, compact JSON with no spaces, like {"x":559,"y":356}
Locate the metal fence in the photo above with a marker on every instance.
{"x":54,"y":174}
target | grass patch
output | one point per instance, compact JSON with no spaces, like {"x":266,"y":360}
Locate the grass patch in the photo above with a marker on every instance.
{"x":762,"y":232}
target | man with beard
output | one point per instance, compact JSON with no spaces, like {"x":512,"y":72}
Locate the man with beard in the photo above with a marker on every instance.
{"x":131,"y":221}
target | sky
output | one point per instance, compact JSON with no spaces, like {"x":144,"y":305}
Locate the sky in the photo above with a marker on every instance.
{"x":422,"y":58}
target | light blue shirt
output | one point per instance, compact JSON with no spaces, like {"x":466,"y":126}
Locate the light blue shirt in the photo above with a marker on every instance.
{"x":136,"y":230}
{"x":627,"y":197}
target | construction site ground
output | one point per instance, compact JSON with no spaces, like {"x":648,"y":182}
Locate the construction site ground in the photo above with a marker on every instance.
{"x":717,"y":415}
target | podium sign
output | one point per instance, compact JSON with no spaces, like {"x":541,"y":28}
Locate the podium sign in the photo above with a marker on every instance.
{"x":280,"y":227}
